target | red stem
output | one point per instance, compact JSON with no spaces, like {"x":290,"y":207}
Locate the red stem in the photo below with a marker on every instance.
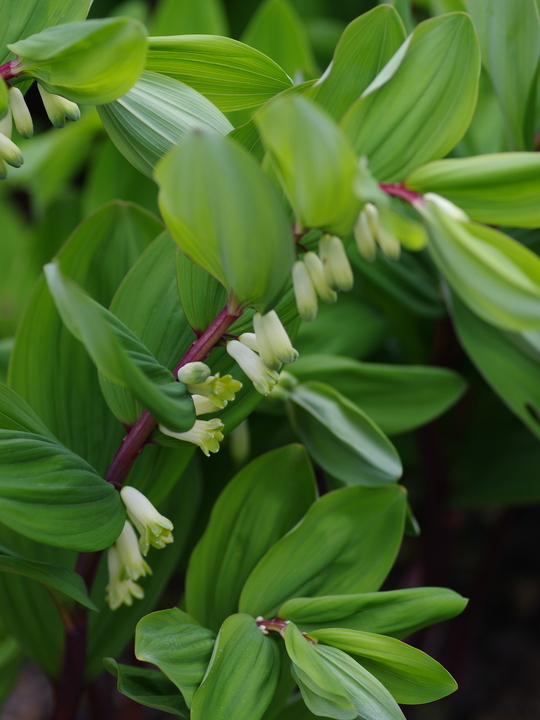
{"x":8,"y":70}
{"x":401,"y":192}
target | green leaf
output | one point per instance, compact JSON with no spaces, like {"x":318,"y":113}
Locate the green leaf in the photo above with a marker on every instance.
{"x":154,"y":115}
{"x":346,"y":543}
{"x":397,"y":613}
{"x":16,"y":414}
{"x":365,"y":47}
{"x":397,"y":398}
{"x":230,"y":74}
{"x":119,"y":354}
{"x":424,"y":109}
{"x":4,"y":99}
{"x":190,"y":16}
{"x":497,"y":277}
{"x":509,"y":36}
{"x":411,"y":676}
{"x":225,"y":215}
{"x":498,"y":189}
{"x":178,"y":645}
{"x":343,"y":440}
{"x":277,"y":30}
{"x":52,"y":495}
{"x":242,"y":675}
{"x":51,"y":575}
{"x":314,"y":162}
{"x":201,"y":295}
{"x":147,"y":687}
{"x":262,"y":503}
{"x":94,"y":61}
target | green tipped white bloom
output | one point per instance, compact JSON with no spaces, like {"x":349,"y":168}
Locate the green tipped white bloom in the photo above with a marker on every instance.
{"x":203,"y":405}
{"x":205,"y":433}
{"x":315,"y":269}
{"x":154,"y":529}
{"x":9,"y":152}
{"x":21,"y":113}
{"x":133,"y":564}
{"x":337,"y":268}
{"x":389,"y":243}
{"x":193,"y":373}
{"x":219,"y":390}
{"x":262,"y":377}
{"x":447,"y":207}
{"x":275,"y":346}
{"x":120,"y":591}
{"x":365,"y":242}
{"x":58,"y":108}
{"x":250,"y":341}
{"x":304,"y":292}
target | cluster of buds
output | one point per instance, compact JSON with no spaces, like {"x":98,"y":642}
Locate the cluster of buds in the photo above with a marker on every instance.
{"x":261,"y":354}
{"x":58,"y":109}
{"x":370,"y":231}
{"x":321,"y":276}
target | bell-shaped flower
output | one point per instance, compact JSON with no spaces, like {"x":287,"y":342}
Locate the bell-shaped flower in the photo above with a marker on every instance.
{"x":337,"y":268}
{"x":154,"y":529}
{"x":315,"y":269}
{"x":21,"y":113}
{"x":133,"y":564}
{"x":275,"y":346}
{"x":193,"y":373}
{"x":304,"y":292}
{"x":219,"y":390}
{"x":447,"y":207}
{"x":205,"y":433}
{"x":365,"y":242}
{"x":120,"y":591}
{"x":262,"y":377}
{"x":58,"y":108}
{"x":203,"y":405}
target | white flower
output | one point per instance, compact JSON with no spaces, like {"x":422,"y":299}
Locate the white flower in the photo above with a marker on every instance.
{"x":337,"y":268}
{"x":119,"y":590}
{"x":154,"y":529}
{"x":219,"y":390}
{"x":203,"y":405}
{"x":262,"y":377}
{"x":274,"y":344}
{"x":9,"y":152}
{"x":58,"y":108}
{"x":304,"y":292}
{"x":250,"y":341}
{"x":315,"y":269}
{"x":205,"y":433}
{"x":21,"y":113}
{"x":365,"y":242}
{"x":447,"y":207}
{"x":133,"y":564}
{"x":193,"y":373}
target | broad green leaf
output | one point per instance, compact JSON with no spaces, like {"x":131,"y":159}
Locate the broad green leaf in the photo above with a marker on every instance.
{"x":154,"y":115}
{"x":147,"y":687}
{"x":365,"y":47}
{"x":411,"y":676}
{"x":178,"y":645}
{"x":397,"y":613}
{"x":397,"y":398}
{"x":277,"y":30}
{"x":498,"y":189}
{"x":189,"y":16}
{"x":509,"y":34}
{"x":16,"y":414}
{"x":225,"y":215}
{"x":94,"y":61}
{"x":262,"y":503}
{"x":201,"y":295}
{"x":404,"y":8}
{"x":53,"y":576}
{"x":497,"y":277}
{"x":242,"y":675}
{"x":343,"y":440}
{"x":51,"y":495}
{"x":426,"y":106}
{"x":230,"y":74}
{"x":21,"y":19}
{"x":346,"y":543}
{"x":119,"y":355}
{"x":294,"y":710}
{"x":314,"y":162}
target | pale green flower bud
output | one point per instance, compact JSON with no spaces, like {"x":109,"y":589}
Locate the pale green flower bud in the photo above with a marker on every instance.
{"x":315,"y":269}
{"x":365,"y":242}
{"x":274,"y":344}
{"x":220,"y":390}
{"x":154,"y":529}
{"x":21,"y":113}
{"x":58,"y":108}
{"x":193,"y":373}
{"x":250,"y":341}
{"x":133,"y":564}
{"x":447,"y":207}
{"x":120,"y":591}
{"x":337,"y":268}
{"x":9,"y":152}
{"x":205,"y":433}
{"x":262,"y":377}
{"x":304,"y":292}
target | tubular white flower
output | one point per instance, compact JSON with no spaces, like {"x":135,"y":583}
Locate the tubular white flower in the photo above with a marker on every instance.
{"x":9,"y":152}
{"x":315,"y":269}
{"x":262,"y":377}
{"x":120,"y":591}
{"x":365,"y":242}
{"x":250,"y":341}
{"x":219,"y":390}
{"x":447,"y":207}
{"x":203,"y":405}
{"x":193,"y":373}
{"x":304,"y":292}
{"x":275,"y":346}
{"x":58,"y":108}
{"x":21,"y":113}
{"x":389,"y":244}
{"x":205,"y":433}
{"x":337,"y":268}
{"x":153,"y":527}
{"x":133,"y":564}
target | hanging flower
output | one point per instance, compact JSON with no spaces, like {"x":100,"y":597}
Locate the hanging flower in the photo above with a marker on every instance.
{"x":154,"y":529}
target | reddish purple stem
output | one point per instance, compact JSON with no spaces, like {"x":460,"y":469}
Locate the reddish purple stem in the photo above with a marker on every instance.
{"x":403,"y":193}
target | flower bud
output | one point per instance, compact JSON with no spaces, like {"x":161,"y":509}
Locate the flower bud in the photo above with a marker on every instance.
{"x":154,"y":529}
{"x":372,"y":216}
{"x":21,"y":113}
{"x":447,"y":207}
{"x":9,"y":152}
{"x":304,"y":292}
{"x":193,"y":373}
{"x":337,"y":268}
{"x":219,"y":390}
{"x":119,"y":590}
{"x":274,"y":344}
{"x":205,"y":433}
{"x":262,"y":377}
{"x":58,"y":108}
{"x":250,"y":341}
{"x":129,"y":554}
{"x":315,"y":269}
{"x":365,"y":242}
